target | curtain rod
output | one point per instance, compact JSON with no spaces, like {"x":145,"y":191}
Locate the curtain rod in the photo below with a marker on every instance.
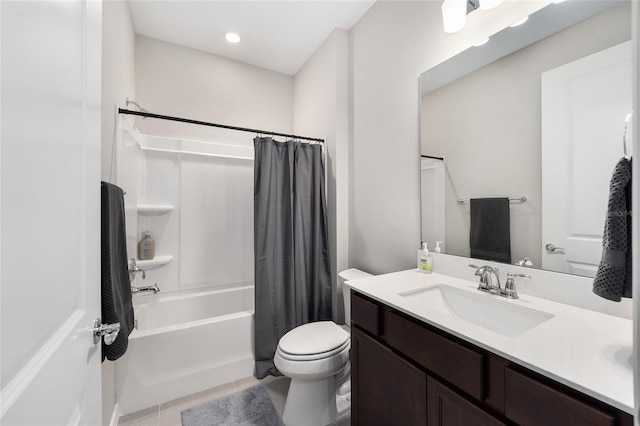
{"x":431,"y":156}
{"x":222,"y":126}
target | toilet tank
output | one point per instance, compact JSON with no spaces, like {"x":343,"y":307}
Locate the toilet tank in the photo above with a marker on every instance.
{"x":349,"y":275}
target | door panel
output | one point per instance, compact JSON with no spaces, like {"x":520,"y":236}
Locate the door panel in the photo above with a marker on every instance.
{"x":50,"y":212}
{"x":584,"y":105}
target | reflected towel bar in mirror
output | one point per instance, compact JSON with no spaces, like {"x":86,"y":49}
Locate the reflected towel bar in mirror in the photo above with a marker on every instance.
{"x":511,"y":200}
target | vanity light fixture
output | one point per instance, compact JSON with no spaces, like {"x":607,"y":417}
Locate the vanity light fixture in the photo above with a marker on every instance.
{"x":520,"y":22}
{"x":454,"y":12}
{"x":232,"y":37}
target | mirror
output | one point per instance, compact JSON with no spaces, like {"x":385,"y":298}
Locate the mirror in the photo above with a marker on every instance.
{"x":536,"y":115}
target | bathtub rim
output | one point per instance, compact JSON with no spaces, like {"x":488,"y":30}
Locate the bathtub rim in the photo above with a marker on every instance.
{"x":182,"y":295}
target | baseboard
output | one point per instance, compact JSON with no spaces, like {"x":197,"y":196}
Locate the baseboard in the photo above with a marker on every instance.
{"x":115,"y":416}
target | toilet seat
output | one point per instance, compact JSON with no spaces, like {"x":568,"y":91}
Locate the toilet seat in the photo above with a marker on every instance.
{"x":313,"y":357}
{"x":313,"y":341}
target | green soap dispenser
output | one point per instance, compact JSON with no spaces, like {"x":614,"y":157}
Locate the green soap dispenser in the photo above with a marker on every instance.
{"x":425,"y":262}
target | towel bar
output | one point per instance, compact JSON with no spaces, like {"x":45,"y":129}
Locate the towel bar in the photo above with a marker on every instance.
{"x":522,"y":199}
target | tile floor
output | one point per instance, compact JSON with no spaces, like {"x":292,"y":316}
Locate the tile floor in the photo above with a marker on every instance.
{"x":168,"y":414}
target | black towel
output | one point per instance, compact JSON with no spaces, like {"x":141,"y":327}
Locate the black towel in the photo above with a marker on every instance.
{"x":117,"y":304}
{"x":489,"y":237}
{"x":613,"y":278}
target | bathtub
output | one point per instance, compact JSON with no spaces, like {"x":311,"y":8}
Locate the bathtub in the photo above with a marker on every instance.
{"x":185,"y":343}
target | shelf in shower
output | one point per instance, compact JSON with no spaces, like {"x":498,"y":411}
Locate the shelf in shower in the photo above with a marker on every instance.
{"x":156,"y":262}
{"x":154,"y":209}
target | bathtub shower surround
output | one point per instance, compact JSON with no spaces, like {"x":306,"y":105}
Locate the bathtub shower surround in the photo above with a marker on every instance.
{"x":195,"y":199}
{"x":186,"y":343}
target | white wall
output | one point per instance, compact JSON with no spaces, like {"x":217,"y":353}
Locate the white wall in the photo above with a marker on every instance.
{"x":177,"y":81}
{"x":321,"y":110}
{"x":393,"y":43}
{"x":118,"y":71}
{"x":118,"y":83}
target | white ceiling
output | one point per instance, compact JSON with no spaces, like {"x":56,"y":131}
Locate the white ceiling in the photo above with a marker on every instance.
{"x":276,"y":35}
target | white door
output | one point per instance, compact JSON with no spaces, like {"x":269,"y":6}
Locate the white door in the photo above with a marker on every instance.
{"x":50,"y":212}
{"x":584,"y":105}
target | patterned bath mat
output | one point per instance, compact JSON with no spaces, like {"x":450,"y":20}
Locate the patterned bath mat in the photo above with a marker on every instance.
{"x":249,"y":407}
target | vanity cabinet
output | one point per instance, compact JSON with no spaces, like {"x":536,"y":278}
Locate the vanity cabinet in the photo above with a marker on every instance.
{"x":447,"y":408}
{"x":406,"y":372}
{"x":384,"y":385}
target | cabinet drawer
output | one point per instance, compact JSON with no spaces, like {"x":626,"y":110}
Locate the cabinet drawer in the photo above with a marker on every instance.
{"x":365,"y":314}
{"x":457,"y":364}
{"x":530,"y":402}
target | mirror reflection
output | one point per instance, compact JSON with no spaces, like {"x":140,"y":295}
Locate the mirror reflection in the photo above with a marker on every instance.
{"x":518,"y":148}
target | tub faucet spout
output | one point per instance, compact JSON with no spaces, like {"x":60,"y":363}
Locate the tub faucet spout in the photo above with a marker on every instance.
{"x":154,"y":288}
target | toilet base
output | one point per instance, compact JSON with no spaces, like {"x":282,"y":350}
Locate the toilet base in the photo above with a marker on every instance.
{"x":302,"y":407}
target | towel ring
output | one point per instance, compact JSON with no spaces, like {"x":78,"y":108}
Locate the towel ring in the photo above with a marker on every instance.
{"x":625,"y":139}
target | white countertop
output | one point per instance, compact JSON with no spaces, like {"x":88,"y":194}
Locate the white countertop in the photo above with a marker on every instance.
{"x":585,"y":350}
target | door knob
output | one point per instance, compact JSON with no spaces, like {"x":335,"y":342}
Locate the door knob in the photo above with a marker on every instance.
{"x":552,"y":248}
{"x":109,"y":331}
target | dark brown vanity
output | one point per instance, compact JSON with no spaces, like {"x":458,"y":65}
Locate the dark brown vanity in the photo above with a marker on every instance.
{"x":405,"y":372}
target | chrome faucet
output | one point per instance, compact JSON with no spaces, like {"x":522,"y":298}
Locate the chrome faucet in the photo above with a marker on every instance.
{"x":133,"y":269}
{"x":490,"y":281}
{"x":154,"y":288}
{"x":510,"y":291}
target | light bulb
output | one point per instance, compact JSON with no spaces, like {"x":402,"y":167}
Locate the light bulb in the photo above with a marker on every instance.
{"x":490,"y":4}
{"x":454,"y":15}
{"x":232,"y":37}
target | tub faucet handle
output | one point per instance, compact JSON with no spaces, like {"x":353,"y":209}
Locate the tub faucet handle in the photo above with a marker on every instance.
{"x":133,"y":269}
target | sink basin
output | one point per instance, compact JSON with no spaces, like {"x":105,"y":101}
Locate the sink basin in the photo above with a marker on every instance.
{"x":481,"y":309}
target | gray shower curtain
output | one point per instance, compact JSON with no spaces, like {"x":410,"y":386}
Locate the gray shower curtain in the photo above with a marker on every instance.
{"x":292,"y":274}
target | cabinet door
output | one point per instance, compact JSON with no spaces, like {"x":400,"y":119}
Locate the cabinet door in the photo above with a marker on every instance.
{"x":386,"y":389}
{"x":446,"y":408}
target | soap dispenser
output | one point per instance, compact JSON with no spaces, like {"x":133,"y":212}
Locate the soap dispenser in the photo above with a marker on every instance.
{"x":425,"y":262}
{"x":146,"y":247}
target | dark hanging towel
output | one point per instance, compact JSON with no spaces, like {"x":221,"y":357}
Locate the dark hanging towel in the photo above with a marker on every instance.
{"x":117,"y":304}
{"x":489,"y":237}
{"x":291,"y":244}
{"x":613,"y":278}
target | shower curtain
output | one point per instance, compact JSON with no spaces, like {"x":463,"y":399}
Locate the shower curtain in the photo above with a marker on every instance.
{"x":292,"y":273}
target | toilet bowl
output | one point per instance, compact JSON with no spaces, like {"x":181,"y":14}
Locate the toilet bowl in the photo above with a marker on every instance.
{"x":315,"y":356}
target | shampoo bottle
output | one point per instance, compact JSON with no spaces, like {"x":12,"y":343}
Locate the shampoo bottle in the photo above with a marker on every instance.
{"x":146,"y":247}
{"x":425,"y":262}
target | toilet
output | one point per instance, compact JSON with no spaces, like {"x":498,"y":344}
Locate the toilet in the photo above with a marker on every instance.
{"x":315,"y":356}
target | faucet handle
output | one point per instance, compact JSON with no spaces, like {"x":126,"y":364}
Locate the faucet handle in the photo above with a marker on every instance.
{"x":481,"y":271}
{"x":510,"y":291}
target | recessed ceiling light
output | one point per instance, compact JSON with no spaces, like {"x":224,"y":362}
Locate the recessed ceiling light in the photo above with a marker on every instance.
{"x":481,"y":43}
{"x":520,"y":22}
{"x":232,"y":37}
